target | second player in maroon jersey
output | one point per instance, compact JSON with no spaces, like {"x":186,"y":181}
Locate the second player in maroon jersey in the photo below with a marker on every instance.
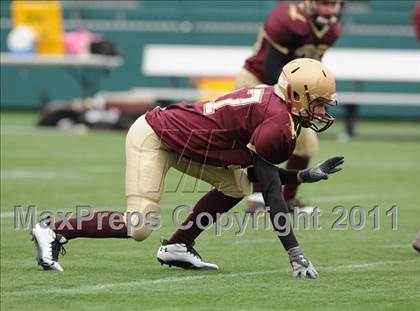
{"x":288,"y":31}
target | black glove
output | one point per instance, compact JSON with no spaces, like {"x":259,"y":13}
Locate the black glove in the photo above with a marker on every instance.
{"x":322,"y":170}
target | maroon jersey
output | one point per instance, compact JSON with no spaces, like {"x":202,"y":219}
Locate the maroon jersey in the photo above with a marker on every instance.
{"x":288,"y":30}
{"x":416,"y":20}
{"x":224,"y":131}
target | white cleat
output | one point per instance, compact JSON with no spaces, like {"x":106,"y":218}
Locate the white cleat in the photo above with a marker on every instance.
{"x":48,"y":246}
{"x":183,"y":256}
{"x":255,"y":204}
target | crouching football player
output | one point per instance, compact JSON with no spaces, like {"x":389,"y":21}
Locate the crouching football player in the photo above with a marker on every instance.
{"x":214,"y":141}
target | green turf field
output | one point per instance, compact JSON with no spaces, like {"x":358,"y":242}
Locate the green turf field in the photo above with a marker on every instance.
{"x":359,"y":269}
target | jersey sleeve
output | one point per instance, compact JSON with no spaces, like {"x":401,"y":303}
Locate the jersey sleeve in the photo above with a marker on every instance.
{"x":336,"y":33}
{"x":273,"y":141}
{"x":416,"y":20}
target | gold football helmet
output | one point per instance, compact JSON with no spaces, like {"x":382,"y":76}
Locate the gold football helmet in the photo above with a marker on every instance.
{"x":307,"y":86}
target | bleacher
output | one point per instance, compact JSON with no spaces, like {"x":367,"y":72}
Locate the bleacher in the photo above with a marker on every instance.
{"x":132,"y":24}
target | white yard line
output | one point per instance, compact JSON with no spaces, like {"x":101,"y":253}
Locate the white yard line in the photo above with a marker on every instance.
{"x":169,"y":280}
{"x":365,"y":265}
{"x":36,"y":130}
{"x":359,"y":196}
{"x":7,"y":214}
{"x":255,"y":241}
{"x":79,"y":172}
{"x":33,"y":174}
{"x":343,"y":198}
{"x":407,"y":245}
{"x":93,"y":288}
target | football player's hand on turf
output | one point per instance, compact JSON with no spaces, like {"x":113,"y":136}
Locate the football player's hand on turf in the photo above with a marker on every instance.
{"x":322,"y":170}
{"x":301,"y":266}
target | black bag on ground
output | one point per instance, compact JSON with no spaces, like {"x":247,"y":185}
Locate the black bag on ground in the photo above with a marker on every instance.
{"x":104,"y":47}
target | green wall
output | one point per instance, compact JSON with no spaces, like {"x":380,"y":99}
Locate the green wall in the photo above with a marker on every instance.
{"x":183,"y":22}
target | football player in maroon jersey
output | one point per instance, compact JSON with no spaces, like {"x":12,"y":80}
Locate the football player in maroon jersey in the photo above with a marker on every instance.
{"x":213,"y":141}
{"x":416,"y":20}
{"x":291,"y":30}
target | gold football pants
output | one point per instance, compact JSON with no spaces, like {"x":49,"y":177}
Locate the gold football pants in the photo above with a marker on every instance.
{"x":148,"y":160}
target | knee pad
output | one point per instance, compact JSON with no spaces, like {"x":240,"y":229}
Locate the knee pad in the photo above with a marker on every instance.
{"x":142,"y":217}
{"x":307,"y":144}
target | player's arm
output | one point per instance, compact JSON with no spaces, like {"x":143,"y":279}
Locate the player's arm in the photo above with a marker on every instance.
{"x":270,"y":183}
{"x":279,"y":35}
{"x":274,"y":61}
{"x":269,"y":180}
{"x":287,"y":176}
{"x":309,"y":175}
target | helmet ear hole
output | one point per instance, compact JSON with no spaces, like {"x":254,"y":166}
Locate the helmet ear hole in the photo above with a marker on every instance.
{"x":296,"y":96}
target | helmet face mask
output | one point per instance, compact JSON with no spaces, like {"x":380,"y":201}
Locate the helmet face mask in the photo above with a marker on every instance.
{"x":315,"y":12}
{"x":308,"y":88}
{"x":320,"y":122}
